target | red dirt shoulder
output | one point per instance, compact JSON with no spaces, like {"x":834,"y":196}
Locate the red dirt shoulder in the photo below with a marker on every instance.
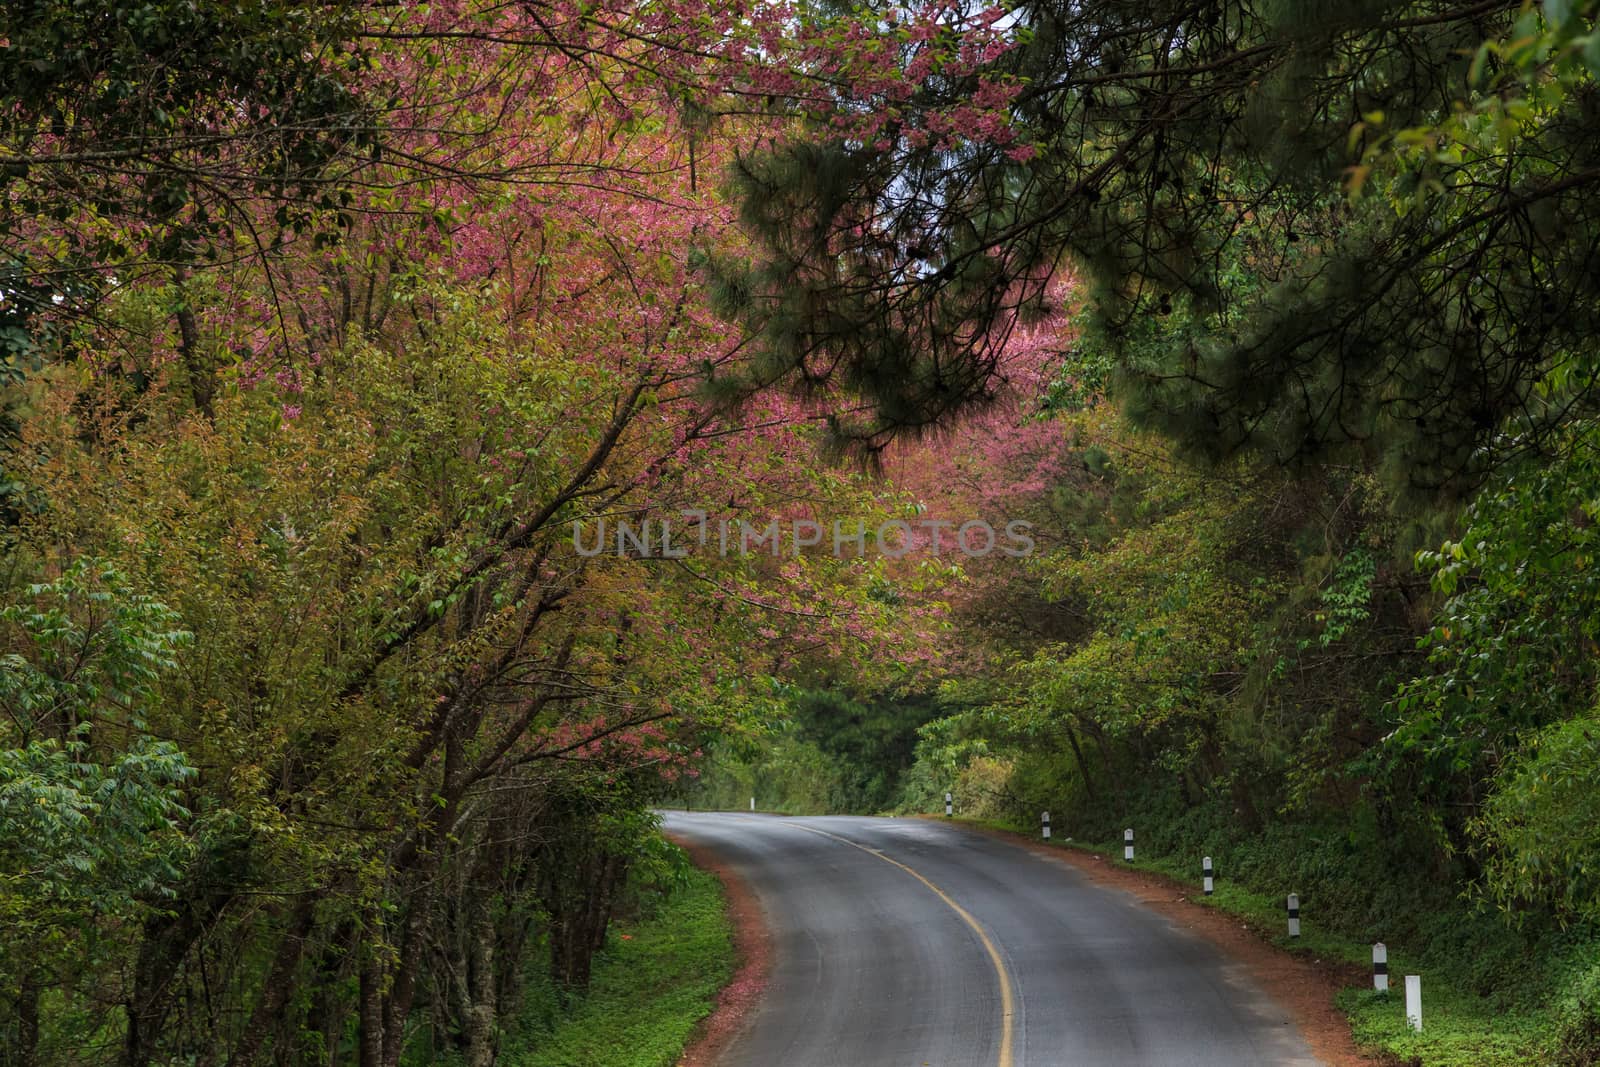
{"x":753,"y":948}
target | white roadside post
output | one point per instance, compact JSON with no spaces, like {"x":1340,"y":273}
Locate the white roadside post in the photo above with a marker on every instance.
{"x":1044,"y":824}
{"x":1205,"y":870}
{"x":1127,"y":845}
{"x":1294,"y":915}
{"x":949,"y":805}
{"x":1380,"y":967}
{"x":1414,"y":1001}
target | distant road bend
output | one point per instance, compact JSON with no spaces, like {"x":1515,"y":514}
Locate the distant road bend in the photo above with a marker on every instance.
{"x":912,"y":942}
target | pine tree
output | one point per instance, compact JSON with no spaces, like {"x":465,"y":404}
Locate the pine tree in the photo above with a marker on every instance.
{"x":1364,"y":230}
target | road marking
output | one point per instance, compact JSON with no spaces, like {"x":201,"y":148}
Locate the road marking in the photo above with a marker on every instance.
{"x":1007,"y":1003}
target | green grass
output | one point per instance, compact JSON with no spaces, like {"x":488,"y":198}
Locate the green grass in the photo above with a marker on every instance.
{"x":652,"y":983}
{"x":1465,"y":1024}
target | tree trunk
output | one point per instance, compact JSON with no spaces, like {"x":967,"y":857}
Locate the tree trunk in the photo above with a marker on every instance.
{"x":22,"y":1045}
{"x":482,"y":1011}
{"x":278,"y":985}
{"x":1083,"y":764}
{"x":370,"y":1014}
{"x":167,"y":941}
{"x":202,"y":377}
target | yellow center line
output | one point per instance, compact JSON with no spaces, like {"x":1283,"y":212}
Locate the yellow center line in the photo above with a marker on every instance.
{"x":1007,"y":1003}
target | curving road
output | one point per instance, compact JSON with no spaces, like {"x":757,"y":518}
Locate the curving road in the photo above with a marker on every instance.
{"x":907,"y":941}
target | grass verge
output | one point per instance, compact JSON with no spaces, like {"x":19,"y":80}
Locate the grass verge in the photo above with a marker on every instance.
{"x":652,"y":984}
{"x":1462,"y":1026}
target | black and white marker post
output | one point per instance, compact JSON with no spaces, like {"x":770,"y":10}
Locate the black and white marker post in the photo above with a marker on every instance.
{"x":1205,"y":870}
{"x":949,"y":805}
{"x":1380,"y":967}
{"x":1044,"y":824}
{"x":1294,"y":915}
{"x":1127,"y":845}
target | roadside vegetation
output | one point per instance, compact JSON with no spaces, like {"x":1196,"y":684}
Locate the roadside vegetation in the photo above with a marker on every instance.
{"x":657,"y":976}
{"x":1492,"y":995}
{"x":667,"y":954}
{"x":825,"y":753}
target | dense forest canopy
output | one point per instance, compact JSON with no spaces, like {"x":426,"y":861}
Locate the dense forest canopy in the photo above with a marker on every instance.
{"x":320,"y":735}
{"x":1381,"y":215}
{"x":326,"y":327}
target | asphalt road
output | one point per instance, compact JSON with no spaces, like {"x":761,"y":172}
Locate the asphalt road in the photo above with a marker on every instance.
{"x":911,"y":942}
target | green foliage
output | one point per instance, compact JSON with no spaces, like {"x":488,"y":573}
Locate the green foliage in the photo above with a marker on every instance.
{"x":1541,"y":825}
{"x":90,"y":799}
{"x":869,"y":742}
{"x":1347,"y":599}
{"x":653,"y":982}
{"x":828,"y":752}
{"x":1511,"y":648}
{"x":97,"y":836}
{"x":782,"y":771}
{"x":133,"y":131}
{"x":1381,"y":215}
{"x":1234,"y":694}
